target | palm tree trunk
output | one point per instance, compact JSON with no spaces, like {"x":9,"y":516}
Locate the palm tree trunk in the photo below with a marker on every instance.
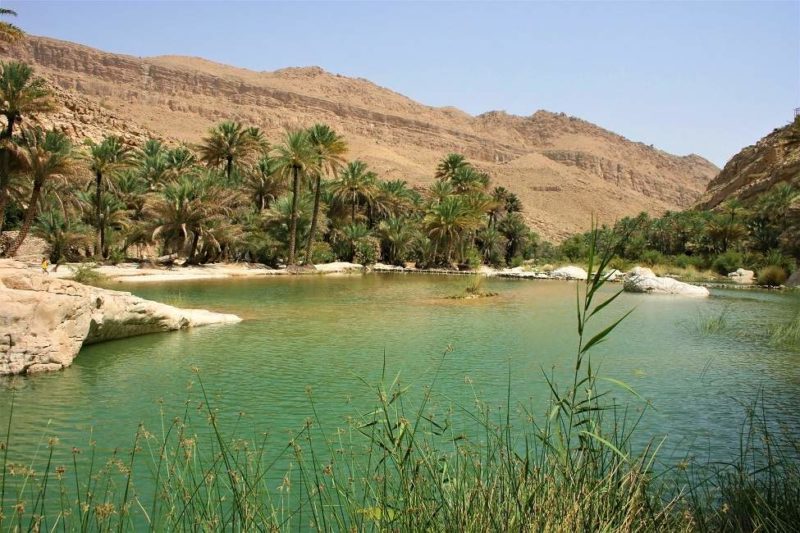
{"x":28,"y":220}
{"x":228,"y":167}
{"x":293,"y":223}
{"x":5,"y":178}
{"x":313,"y":220}
{"x":3,"y":204}
{"x":98,"y":181}
{"x":193,"y":249}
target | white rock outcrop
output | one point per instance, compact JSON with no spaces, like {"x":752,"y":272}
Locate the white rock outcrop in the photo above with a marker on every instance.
{"x":745,"y":277}
{"x":339,"y":266}
{"x":44,"y":320}
{"x":645,"y":281}
{"x":569,"y":272}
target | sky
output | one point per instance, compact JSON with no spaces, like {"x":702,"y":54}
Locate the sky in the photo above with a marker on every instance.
{"x":688,"y":77}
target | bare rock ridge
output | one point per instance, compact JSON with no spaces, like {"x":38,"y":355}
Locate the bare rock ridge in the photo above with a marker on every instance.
{"x":562,"y":168}
{"x":755,"y":169}
{"x":45,"y":320}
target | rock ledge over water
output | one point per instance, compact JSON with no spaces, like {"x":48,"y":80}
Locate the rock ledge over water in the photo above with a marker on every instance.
{"x":44,"y":320}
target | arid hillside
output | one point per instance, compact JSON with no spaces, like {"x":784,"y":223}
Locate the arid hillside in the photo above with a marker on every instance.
{"x":563,"y":168}
{"x":756,"y":168}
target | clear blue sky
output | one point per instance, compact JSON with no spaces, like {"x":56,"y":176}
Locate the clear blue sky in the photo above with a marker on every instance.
{"x":689,"y":77}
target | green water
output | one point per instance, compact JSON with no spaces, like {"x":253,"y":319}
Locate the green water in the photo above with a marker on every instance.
{"x":330,"y":333}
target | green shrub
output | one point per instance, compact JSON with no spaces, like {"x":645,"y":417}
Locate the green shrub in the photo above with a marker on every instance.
{"x":682,"y":261}
{"x":517,"y":261}
{"x":651,"y":257}
{"x":87,"y":273}
{"x":772,"y":276}
{"x":776,"y":258}
{"x":322,"y":253}
{"x":472,"y":258}
{"x":727,"y":262}
{"x":367,"y":251}
{"x":116,"y":256}
{"x":619,"y":263}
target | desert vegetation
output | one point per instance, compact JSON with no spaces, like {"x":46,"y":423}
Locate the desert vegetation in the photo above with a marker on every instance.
{"x":753,"y":235}
{"x":238,"y":197}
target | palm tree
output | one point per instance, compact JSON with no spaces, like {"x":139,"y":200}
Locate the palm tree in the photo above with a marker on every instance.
{"x":179,"y":159}
{"x":449,"y":165}
{"x":8,"y":32}
{"x":64,"y":235}
{"x":105,"y":158}
{"x":355,"y":184}
{"x":152,"y":163}
{"x":396,"y":235}
{"x":492,"y":245}
{"x":43,"y":156}
{"x":330,"y":149}
{"x":278,"y":219}
{"x":188,"y":209}
{"x":448,"y":221}
{"x":297,"y":158}
{"x":20,"y":94}
{"x":439,"y":190}
{"x":229,"y":144}
{"x":514,"y":229}
{"x":467,"y":180}
{"x":263,"y":183}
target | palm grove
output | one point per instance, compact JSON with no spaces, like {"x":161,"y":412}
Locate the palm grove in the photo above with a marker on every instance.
{"x":235,"y":196}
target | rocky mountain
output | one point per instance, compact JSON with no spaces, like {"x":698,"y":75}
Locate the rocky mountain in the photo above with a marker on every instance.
{"x":772,"y":160}
{"x":562,"y":168}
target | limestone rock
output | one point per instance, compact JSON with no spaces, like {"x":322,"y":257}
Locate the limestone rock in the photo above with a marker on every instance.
{"x":794,"y":279}
{"x":569,"y":272}
{"x":652,"y":284}
{"x":640,"y":271}
{"x":339,"y":266}
{"x":742,"y":276}
{"x":559,"y":163}
{"x":380,"y":267}
{"x":44,"y":320}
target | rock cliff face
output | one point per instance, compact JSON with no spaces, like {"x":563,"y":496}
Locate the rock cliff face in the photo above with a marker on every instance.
{"x":44,"y":321}
{"x":772,"y":160}
{"x":562,"y":168}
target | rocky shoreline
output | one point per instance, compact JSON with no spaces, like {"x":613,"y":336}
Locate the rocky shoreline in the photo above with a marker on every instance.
{"x":45,"y":320}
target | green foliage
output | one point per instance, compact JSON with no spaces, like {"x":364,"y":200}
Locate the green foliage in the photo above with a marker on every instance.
{"x":728,"y":262}
{"x":772,"y":276}
{"x":786,"y":335}
{"x":651,"y":257}
{"x":87,"y":274}
{"x":322,"y":253}
{"x":367,"y":250}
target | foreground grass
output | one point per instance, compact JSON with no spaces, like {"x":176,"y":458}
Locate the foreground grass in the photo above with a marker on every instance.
{"x":407,"y":465}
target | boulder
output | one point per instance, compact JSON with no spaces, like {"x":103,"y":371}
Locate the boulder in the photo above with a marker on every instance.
{"x":655,"y":285}
{"x":569,"y":272}
{"x":794,"y":279}
{"x":613,"y":275}
{"x":45,"y":320}
{"x":745,"y":277}
{"x":640,"y":271}
{"x":380,"y":267}
{"x":340,"y":266}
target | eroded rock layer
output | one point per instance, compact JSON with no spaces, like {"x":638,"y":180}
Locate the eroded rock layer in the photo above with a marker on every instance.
{"x":44,"y":321}
{"x":564,"y":169}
